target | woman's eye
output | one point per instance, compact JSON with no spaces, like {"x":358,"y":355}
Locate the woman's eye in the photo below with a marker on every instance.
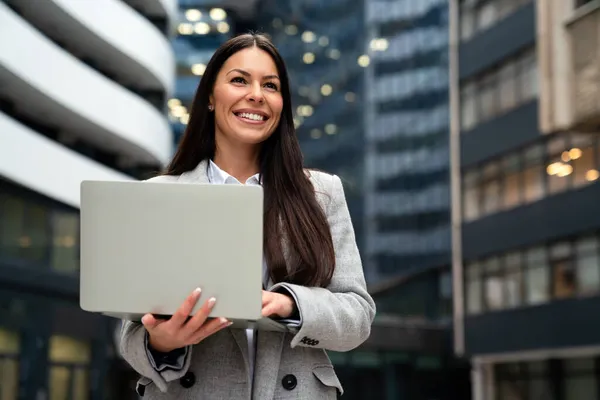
{"x":271,"y":85}
{"x":238,"y":80}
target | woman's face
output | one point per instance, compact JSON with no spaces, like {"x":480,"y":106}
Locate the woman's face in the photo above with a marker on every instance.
{"x":247,"y":98}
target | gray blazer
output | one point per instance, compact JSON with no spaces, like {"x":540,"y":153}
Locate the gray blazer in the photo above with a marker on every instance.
{"x":288,"y":366}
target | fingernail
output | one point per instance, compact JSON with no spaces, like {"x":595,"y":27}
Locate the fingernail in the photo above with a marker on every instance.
{"x":211,"y":302}
{"x":197,"y":290}
{"x":223,"y":320}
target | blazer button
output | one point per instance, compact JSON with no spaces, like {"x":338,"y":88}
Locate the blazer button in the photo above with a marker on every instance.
{"x":188,"y":380}
{"x":289,"y":382}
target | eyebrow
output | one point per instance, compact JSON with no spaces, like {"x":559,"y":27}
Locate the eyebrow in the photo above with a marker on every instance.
{"x":246,"y":73}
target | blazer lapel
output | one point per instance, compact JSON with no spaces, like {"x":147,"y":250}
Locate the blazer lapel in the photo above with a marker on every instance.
{"x":197,"y":175}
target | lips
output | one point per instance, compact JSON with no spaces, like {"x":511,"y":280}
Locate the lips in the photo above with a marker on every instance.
{"x":249,"y":115}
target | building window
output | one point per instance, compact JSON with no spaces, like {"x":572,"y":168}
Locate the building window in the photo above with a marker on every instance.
{"x":559,"y":170}
{"x":533,"y":174}
{"x":584,"y":160}
{"x":508,"y":87}
{"x":9,"y":364}
{"x":514,"y":280}
{"x":468,"y":106}
{"x":471,"y":196}
{"x":537,"y":276}
{"x":65,"y":246}
{"x":493,"y":284}
{"x":34,"y":232}
{"x":474,"y":289}
{"x":556,"y":165}
{"x":512,"y":181}
{"x":563,"y":270}
{"x":499,"y":90}
{"x":491,"y":188}
{"x":69,"y":368}
{"x":478,"y":16}
{"x":523,"y":381}
{"x":532,"y":276}
{"x":587,"y":264}
{"x":580,"y":379}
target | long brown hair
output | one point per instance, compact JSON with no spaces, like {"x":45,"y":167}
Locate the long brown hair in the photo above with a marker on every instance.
{"x":291,"y":211}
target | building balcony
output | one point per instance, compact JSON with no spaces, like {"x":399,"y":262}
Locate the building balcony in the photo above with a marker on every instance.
{"x":584,"y":36}
{"x":568,"y":50}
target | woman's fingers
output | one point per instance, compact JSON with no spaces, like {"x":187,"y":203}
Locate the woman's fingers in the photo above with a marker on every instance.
{"x":149,"y":322}
{"x":183,"y":312}
{"x":209,"y":328}
{"x":199,"y":318}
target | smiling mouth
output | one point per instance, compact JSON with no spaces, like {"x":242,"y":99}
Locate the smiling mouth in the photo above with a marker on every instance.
{"x":251,"y":117}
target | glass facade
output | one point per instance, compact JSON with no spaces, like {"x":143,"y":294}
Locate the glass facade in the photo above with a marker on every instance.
{"x":407,"y":128}
{"x":321,"y":42}
{"x":371,"y":98}
{"x":200,"y":31}
{"x":47,"y":344}
{"x":36,"y":233}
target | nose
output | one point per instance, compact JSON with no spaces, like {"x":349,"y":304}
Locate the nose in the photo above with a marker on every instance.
{"x":256,"y":94}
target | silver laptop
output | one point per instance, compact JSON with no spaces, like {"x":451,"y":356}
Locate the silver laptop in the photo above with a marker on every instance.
{"x":146,"y":246}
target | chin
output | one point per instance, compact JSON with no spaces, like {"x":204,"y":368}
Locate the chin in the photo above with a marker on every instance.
{"x":253,"y":139}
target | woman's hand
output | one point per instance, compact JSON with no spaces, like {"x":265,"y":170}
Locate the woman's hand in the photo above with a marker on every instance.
{"x":277,"y":304}
{"x":178,"y":332}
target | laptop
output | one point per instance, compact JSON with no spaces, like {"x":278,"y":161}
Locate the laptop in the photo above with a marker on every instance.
{"x":145,"y":246}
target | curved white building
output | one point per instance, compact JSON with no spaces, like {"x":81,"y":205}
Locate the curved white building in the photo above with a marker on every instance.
{"x":83,"y":96}
{"x":91,"y":75}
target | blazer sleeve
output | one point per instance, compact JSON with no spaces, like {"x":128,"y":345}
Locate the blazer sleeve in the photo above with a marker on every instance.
{"x":134,"y":350}
{"x":338,"y":317}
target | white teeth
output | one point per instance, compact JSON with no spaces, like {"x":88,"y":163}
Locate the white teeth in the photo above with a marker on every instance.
{"x":254,"y":117}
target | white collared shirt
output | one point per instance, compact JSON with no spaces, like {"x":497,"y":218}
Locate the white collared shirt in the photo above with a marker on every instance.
{"x":219,"y":177}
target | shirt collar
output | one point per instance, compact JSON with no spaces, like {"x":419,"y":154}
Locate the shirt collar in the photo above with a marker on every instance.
{"x":217,"y":176}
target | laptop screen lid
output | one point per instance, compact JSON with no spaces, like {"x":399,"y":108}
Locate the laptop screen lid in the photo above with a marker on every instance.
{"x":146,"y":246}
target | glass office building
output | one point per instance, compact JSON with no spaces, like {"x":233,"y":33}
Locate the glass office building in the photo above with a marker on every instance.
{"x":370,"y":94}
{"x":201,"y":27}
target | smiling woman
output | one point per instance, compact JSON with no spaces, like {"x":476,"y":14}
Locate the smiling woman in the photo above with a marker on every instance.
{"x":241,"y":131}
{"x":248,"y":98}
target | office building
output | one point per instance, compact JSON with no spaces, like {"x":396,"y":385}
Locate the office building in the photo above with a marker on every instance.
{"x":525,"y":161}
{"x":202,"y":26}
{"x":370,"y":95}
{"x":83,"y":95}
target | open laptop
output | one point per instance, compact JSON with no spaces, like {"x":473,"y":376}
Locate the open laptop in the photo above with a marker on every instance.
{"x":146,"y":246}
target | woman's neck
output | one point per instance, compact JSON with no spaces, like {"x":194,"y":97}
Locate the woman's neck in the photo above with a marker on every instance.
{"x":239,"y":164}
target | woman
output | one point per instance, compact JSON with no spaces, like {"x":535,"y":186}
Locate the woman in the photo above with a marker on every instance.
{"x":241,"y":130}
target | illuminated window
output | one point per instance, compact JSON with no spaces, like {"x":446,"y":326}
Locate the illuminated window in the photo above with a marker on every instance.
{"x":512,"y":181}
{"x":563,"y":271}
{"x":65,"y":254}
{"x":69,"y":368}
{"x":581,"y":154}
{"x":491,"y":188}
{"x":471,"y":196}
{"x":533,"y":174}
{"x":9,"y":365}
